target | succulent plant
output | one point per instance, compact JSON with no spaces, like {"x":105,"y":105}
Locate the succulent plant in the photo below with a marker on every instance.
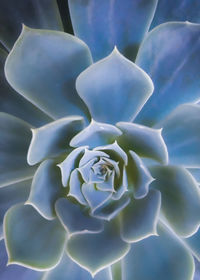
{"x":100,"y":157}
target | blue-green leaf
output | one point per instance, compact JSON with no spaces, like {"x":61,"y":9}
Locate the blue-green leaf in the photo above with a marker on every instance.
{"x":14,"y":142}
{"x":117,"y":83}
{"x":97,"y":251}
{"x":139,"y":219}
{"x":26,"y":235}
{"x":11,"y":195}
{"x":13,"y":103}
{"x":193,"y":242}
{"x":158,"y":257}
{"x":96,"y":134}
{"x":106,"y":23}
{"x":68,"y":269}
{"x":75,"y":185}
{"x":173,"y":65}
{"x":181,"y":132}
{"x":43,"y":70}
{"x":53,"y":139}
{"x":74,"y":219}
{"x":176,"y":10}
{"x":145,"y":141}
{"x":180,"y":198}
{"x":46,"y":188}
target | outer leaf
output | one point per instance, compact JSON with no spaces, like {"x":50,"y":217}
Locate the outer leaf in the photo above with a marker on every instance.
{"x":15,"y":271}
{"x":107,"y":247}
{"x":180,"y":198}
{"x":46,"y":188}
{"x":11,"y":195}
{"x":105,"y":24}
{"x":193,"y":243}
{"x":34,"y":13}
{"x":139,"y":219}
{"x":43,"y":70}
{"x":53,"y":139}
{"x":26,"y":238}
{"x":117,"y":83}
{"x":145,"y":141}
{"x":181,"y":132}
{"x":13,"y":103}
{"x":176,"y":10}
{"x":156,"y":258}
{"x":173,"y":66}
{"x":67,"y":268}
{"x":14,"y":142}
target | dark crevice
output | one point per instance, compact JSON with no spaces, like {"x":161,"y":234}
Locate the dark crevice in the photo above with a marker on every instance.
{"x":65,"y":16}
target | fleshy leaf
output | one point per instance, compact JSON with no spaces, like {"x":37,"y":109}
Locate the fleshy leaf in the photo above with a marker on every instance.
{"x":14,"y":142}
{"x":13,"y":103}
{"x":181,"y":132}
{"x":139,"y":219}
{"x":145,"y":141}
{"x":106,"y":246}
{"x":139,"y":177}
{"x":75,"y":185}
{"x":53,"y":139}
{"x":104,"y":24}
{"x":94,"y":197}
{"x":46,"y":188}
{"x":180,"y":198}
{"x":67,"y":268}
{"x":96,"y":134}
{"x":15,"y":271}
{"x":74,"y":219}
{"x":69,"y":164}
{"x":173,"y":65}
{"x":195,"y":173}
{"x":117,"y":83}
{"x":85,"y":170}
{"x":158,"y":257}
{"x":26,"y":235}
{"x":193,"y":242}
{"x":11,"y":195}
{"x":34,"y":13}
{"x":89,"y":155}
{"x":46,"y":75}
{"x":177,"y":10}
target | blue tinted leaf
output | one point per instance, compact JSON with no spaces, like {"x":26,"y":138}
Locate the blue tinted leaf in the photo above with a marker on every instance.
{"x":105,"y":24}
{"x":53,"y":139}
{"x":139,"y":219}
{"x":181,"y":132}
{"x":180,"y":198}
{"x":173,"y":65}
{"x":117,"y":83}
{"x":74,"y":219}
{"x":46,"y":188}
{"x":46,"y":75}
{"x":97,"y":251}
{"x":158,"y":257}
{"x":14,"y":142}
{"x":193,"y":242}
{"x":75,"y":185}
{"x":26,"y":235}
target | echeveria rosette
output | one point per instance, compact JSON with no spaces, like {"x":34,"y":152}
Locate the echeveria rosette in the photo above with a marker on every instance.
{"x":102,"y":189}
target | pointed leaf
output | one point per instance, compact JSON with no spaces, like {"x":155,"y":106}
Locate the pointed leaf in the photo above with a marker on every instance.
{"x":105,"y":24}
{"x":117,"y":83}
{"x":74,"y":219}
{"x":180,"y":198}
{"x":26,"y":238}
{"x":46,"y":75}
{"x":107,"y":247}
{"x":75,"y":185}
{"x":96,"y":134}
{"x":139,"y":219}
{"x":52,"y":139}
{"x":181,"y":132}
{"x":173,"y":66}
{"x":46,"y":188}
{"x":34,"y":13}
{"x":14,"y":142}
{"x":145,"y":141}
{"x":158,"y":257}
